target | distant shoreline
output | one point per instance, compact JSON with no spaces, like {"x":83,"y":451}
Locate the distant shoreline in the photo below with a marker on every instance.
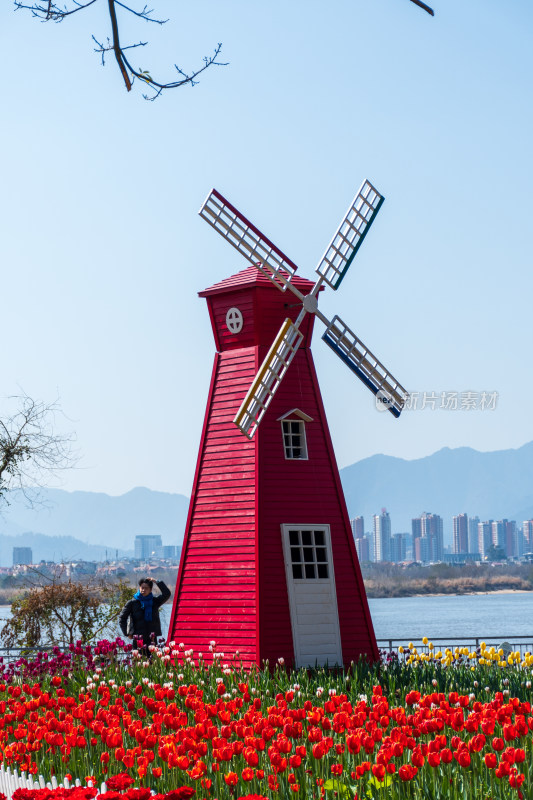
{"x":463,"y":594}
{"x":418,"y":594}
{"x":377,"y":591}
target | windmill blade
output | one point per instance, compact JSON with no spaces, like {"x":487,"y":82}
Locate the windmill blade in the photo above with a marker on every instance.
{"x":349,"y":237}
{"x":268,"y":378}
{"x":365,"y":365}
{"x":248,"y":240}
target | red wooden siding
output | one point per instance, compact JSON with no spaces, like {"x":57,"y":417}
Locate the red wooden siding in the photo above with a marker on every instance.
{"x":262,"y":305}
{"x":216,"y":590}
{"x":231,"y":586}
{"x":307,"y":492}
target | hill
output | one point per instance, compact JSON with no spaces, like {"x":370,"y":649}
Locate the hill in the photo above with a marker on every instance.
{"x":54,"y":548}
{"x":99,"y":519}
{"x":493,"y":485}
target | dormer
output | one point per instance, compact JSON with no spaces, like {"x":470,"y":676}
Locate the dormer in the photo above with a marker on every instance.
{"x":293,"y":434}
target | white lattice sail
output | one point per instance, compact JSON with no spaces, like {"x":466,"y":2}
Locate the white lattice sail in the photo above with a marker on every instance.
{"x":332,"y":268}
{"x":248,"y":239}
{"x":268,"y":378}
{"x":342,"y":249}
{"x":366,"y":366}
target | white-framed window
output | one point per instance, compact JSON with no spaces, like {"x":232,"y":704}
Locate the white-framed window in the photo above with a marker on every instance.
{"x":293,"y":434}
{"x":308,"y":554}
{"x":294,"y":442}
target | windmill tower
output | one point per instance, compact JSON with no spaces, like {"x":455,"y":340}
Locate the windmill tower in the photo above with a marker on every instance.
{"x":268,"y":566}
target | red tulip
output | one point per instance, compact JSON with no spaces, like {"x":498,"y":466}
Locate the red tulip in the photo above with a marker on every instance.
{"x":318,"y":750}
{"x":516,"y":779}
{"x":407,"y":772}
{"x":503,"y":769}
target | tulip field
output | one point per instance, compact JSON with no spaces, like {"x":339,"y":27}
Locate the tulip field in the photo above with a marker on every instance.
{"x":420,"y":724}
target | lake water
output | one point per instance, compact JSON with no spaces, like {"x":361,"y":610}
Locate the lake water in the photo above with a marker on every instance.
{"x":501,"y":616}
{"x":498,"y":616}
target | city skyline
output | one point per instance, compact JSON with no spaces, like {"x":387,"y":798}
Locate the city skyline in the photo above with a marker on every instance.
{"x":479,"y":540}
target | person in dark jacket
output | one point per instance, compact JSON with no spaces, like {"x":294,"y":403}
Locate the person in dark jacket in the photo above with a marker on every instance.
{"x":139,"y":619}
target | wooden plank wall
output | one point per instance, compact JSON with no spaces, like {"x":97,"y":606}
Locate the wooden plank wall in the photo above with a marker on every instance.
{"x":308,"y":492}
{"x":216,"y":592}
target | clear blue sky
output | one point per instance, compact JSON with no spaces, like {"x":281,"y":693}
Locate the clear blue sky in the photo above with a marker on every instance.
{"x":103,"y":253}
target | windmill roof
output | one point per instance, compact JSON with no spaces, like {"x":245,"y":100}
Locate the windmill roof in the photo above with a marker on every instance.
{"x":251,"y":276}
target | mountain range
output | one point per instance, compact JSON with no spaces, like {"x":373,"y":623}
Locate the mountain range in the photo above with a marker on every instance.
{"x":79,"y":521}
{"x":55,"y":548}
{"x":493,"y":485}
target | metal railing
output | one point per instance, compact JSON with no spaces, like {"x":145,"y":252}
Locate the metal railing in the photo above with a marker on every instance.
{"x":522,"y":643}
{"x":10,"y":654}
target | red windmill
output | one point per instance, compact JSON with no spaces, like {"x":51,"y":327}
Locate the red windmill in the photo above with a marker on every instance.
{"x":269,"y":567}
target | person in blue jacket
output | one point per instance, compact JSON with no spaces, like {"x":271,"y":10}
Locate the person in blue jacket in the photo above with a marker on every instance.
{"x":139,"y":619}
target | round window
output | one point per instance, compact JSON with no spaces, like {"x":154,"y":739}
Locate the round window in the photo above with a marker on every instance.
{"x":234,"y":320}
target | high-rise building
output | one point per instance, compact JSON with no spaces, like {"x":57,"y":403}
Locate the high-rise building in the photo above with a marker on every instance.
{"x":22,"y":555}
{"x":362,"y":546}
{"x":428,"y":544}
{"x":382,"y":535}
{"x":167,"y":551}
{"x":421,"y":548}
{"x":432,"y":528}
{"x":372,"y":550}
{"x":484,"y":537}
{"x":511,"y":544}
{"x":146,"y":545}
{"x":473,"y":543}
{"x":358,"y":527}
{"x":498,"y":530}
{"x":503,"y":536}
{"x":399,"y":546}
{"x":519,"y":544}
{"x":527,"y":531}
{"x":460,"y":533}
{"x":416,"y":533}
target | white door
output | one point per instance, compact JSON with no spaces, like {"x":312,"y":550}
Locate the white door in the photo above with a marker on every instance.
{"x":312,"y":595}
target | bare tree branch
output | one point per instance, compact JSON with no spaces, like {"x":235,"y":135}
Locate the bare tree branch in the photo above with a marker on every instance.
{"x":119,"y":55}
{"x":30,"y":449}
{"x":50,"y":10}
{"x":420,"y":4}
{"x":144,"y":14}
